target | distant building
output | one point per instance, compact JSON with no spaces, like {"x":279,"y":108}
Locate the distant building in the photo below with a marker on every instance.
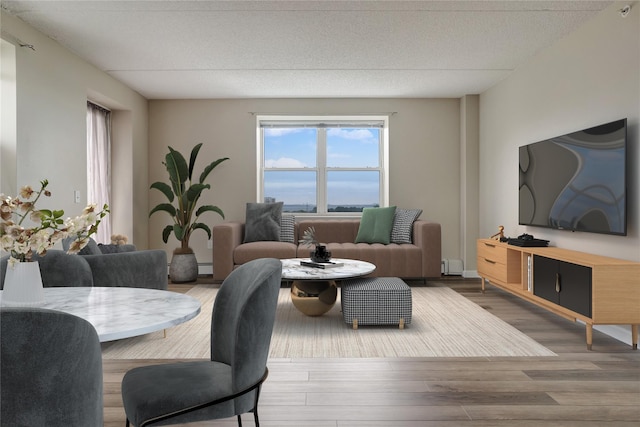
{"x":269,"y":199}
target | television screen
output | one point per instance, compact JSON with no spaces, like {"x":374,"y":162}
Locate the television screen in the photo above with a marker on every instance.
{"x":576,"y":181}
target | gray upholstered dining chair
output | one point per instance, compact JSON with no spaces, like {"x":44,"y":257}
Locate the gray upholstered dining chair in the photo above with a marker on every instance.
{"x":227,"y":385}
{"x":50,"y":369}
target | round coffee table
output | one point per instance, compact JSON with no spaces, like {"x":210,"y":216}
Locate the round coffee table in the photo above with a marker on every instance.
{"x":314,"y":290}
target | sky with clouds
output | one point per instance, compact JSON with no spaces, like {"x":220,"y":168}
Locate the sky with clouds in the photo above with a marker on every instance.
{"x":346,"y":148}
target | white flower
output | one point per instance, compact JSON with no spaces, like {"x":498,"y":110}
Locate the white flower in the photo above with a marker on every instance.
{"x":6,"y":242}
{"x":12,"y":262}
{"x":77,"y":245}
{"x":46,"y":228}
{"x":76,"y":225}
{"x":41,"y":241}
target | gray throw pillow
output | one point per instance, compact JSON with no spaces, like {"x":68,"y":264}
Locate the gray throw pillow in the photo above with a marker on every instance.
{"x":403,"y":225}
{"x":287,"y":223}
{"x":262,"y":222}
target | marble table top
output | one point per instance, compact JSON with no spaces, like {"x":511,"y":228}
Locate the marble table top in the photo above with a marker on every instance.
{"x":120,"y":312}
{"x":292,"y":270}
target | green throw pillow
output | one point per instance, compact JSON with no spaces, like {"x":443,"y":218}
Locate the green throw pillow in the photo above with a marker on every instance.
{"x":375,"y":225}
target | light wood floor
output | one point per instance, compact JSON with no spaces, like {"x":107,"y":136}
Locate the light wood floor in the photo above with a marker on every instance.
{"x":577,"y":388}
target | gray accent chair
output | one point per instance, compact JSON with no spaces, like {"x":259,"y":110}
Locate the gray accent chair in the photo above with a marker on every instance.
{"x":229,"y":384}
{"x":50,"y":370}
{"x":137,"y":269}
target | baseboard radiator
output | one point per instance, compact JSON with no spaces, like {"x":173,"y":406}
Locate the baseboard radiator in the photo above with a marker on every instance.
{"x":204,"y":269}
{"x":452,"y":267}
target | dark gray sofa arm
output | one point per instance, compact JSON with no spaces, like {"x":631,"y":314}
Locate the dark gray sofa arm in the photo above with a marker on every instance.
{"x":139,"y":269}
{"x":58,"y":269}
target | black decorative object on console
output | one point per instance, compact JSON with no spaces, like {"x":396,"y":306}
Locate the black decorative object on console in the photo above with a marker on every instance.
{"x":321,"y":254}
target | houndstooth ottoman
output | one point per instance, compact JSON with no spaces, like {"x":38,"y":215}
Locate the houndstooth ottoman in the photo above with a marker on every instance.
{"x":376,"y":301}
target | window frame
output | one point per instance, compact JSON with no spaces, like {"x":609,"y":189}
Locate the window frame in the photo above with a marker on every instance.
{"x":321,"y":156}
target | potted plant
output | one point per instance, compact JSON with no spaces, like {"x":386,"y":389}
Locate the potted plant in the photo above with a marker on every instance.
{"x":183,"y":195}
{"x":320,"y":254}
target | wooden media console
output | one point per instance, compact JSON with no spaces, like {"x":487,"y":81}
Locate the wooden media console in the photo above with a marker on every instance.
{"x":594,"y":289}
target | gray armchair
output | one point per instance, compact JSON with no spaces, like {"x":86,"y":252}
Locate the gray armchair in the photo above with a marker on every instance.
{"x":138,"y":269}
{"x":50,"y":370}
{"x":123,"y":265}
{"x":229,"y":384}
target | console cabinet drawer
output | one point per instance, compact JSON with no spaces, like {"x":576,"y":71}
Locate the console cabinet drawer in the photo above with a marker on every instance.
{"x":496,"y":261}
{"x":492,"y":253}
{"x":492,"y":269}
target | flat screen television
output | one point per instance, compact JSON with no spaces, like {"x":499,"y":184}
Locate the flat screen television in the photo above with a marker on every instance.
{"x":576,"y":181}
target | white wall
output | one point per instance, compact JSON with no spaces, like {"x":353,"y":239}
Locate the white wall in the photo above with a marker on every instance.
{"x":52,"y":87}
{"x":588,"y":78}
{"x":424,"y":154}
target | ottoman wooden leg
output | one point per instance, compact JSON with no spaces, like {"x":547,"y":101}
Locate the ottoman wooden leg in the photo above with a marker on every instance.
{"x":401,"y":324}
{"x":355,"y":324}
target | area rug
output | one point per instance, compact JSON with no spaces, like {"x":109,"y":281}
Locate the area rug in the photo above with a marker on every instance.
{"x":444,"y":324}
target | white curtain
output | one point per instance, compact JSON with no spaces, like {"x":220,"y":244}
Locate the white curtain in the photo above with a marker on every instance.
{"x":99,"y":165}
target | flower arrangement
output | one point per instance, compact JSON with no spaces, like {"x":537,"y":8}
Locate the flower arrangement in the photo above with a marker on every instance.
{"x":309,"y":237}
{"x":320,"y":254}
{"x":47,"y":226}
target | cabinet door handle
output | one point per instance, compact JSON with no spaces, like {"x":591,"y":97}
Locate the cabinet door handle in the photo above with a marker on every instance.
{"x":489,"y":261}
{"x":490,"y":245}
{"x":558,"y":287}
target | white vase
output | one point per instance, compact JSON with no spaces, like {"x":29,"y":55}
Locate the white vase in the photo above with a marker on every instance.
{"x":23,"y":285}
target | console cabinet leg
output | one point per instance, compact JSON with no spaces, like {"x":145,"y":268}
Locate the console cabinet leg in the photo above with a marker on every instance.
{"x":589,"y":330}
{"x":634,"y":336}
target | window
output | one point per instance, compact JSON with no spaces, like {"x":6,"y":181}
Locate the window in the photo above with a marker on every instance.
{"x":323,"y":165}
{"x":99,"y":164}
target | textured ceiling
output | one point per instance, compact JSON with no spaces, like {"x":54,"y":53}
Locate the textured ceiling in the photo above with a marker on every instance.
{"x":306,"y":49}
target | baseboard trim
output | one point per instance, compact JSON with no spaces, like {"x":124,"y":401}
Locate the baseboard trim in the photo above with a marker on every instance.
{"x":620,"y":332}
{"x":470,"y":274}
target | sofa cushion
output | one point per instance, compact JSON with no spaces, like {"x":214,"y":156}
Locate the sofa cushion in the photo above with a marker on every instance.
{"x":403,"y":225}
{"x":116,"y":249}
{"x":390,"y":260}
{"x":375,"y":225}
{"x":253,"y":250}
{"x":287,"y":225}
{"x":262,"y":222}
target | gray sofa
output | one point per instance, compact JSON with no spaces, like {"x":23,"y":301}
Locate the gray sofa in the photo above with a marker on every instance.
{"x":420,"y":259}
{"x":135,"y":269}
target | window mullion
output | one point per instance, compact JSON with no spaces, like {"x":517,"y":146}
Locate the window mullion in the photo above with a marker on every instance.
{"x":322,"y":171}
